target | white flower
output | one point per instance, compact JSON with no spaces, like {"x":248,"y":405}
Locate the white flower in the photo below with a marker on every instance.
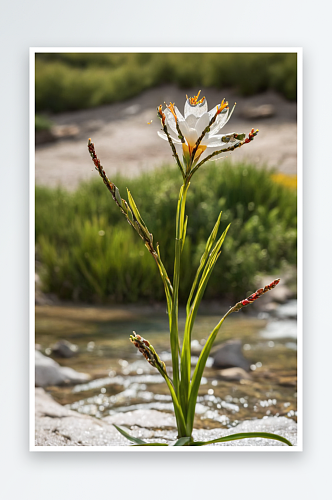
{"x":191,"y":126}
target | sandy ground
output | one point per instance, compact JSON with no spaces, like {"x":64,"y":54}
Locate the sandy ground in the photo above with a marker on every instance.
{"x":126,"y":144}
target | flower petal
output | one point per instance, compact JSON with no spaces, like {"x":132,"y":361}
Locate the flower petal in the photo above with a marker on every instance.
{"x":170,"y":120}
{"x":196,"y":109}
{"x":217,"y":140}
{"x":221,"y":119}
{"x":227,"y":117}
{"x":191,"y":136}
{"x":213,"y":111}
{"x":164,"y":136}
{"x":183,"y":126}
{"x":213,"y":141}
{"x":202,"y":123}
{"x":178,"y":114}
{"x":191,"y":121}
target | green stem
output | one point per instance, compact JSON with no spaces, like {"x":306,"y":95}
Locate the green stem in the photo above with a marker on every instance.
{"x":198,"y":373}
{"x":180,"y":420}
{"x":225,"y":150}
{"x":208,"y":262}
{"x":179,"y":234}
{"x":174,"y":151}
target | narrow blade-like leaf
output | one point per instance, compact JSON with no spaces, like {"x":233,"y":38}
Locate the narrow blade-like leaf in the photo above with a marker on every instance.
{"x":197,"y":376}
{"x":134,"y":208}
{"x":138,"y":216}
{"x":183,"y":441}
{"x":167,"y":285}
{"x":151,"y":444}
{"x":174,"y":333}
{"x":204,"y":257}
{"x":211,"y":261}
{"x":180,"y":420}
{"x":244,"y":435}
{"x":185,"y":355}
{"x":128,"y":436}
{"x":184,"y":232}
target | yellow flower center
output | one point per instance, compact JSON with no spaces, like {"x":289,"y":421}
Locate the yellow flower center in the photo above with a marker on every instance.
{"x":188,"y":149}
{"x":194,"y":100}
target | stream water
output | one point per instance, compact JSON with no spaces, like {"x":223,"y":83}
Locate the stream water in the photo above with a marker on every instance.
{"x":121,"y":379}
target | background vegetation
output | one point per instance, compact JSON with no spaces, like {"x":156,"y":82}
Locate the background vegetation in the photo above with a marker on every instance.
{"x":67,"y":81}
{"x":87,"y":251}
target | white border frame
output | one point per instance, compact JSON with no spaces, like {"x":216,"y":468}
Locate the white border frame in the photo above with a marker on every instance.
{"x":299,"y":52}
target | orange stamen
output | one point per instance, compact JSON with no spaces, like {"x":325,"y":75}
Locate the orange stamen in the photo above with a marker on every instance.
{"x":172,"y":110}
{"x":222,"y":106}
{"x":160,"y":111}
{"x":194,"y":100}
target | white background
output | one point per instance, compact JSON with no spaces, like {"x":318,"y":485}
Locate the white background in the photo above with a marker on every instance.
{"x":152,"y":24}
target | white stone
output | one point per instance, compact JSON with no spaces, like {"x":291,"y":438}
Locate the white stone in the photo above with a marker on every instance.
{"x":48,"y":372}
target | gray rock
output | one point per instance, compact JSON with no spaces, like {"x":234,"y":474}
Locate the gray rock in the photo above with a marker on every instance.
{"x":64,"y":349}
{"x":234,"y":373}
{"x":230,"y":354}
{"x":49,"y":372}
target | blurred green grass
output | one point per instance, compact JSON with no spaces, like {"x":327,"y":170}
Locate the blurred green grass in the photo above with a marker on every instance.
{"x":68,"y":81}
{"x":87,"y":251}
{"x":42,"y":123}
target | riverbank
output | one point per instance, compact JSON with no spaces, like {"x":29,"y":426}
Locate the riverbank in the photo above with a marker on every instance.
{"x":122,"y":382}
{"x":59,"y":426}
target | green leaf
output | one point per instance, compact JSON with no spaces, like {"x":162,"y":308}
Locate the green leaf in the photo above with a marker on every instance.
{"x":180,"y":420}
{"x":128,"y":436}
{"x":135,"y":209}
{"x":204,"y":257}
{"x":209,"y":260}
{"x":167,"y":284}
{"x":138,"y":216}
{"x":174,"y":334}
{"x":183,"y":441}
{"x":197,"y":376}
{"x":117,"y":196}
{"x":151,"y":444}
{"x":184,"y":232}
{"x":244,"y":435}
